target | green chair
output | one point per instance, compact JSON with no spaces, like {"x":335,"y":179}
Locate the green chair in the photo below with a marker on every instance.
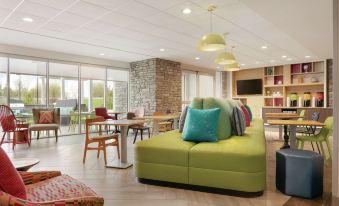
{"x":74,"y":121}
{"x":322,"y":136}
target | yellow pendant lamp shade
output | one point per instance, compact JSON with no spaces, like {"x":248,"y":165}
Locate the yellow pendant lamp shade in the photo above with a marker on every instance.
{"x":211,"y":42}
{"x":232,"y":67}
{"x":225,"y":58}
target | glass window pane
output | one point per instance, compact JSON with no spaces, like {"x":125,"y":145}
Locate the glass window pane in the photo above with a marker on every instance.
{"x":63,"y":94}
{"x":206,"y":86}
{"x":3,"y":80}
{"x":117,"y":90}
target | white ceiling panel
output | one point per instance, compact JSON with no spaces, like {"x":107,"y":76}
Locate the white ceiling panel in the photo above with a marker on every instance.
{"x":131,"y":30}
{"x":87,"y":9}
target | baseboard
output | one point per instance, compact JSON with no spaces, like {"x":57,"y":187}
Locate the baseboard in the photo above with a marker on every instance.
{"x":201,"y":188}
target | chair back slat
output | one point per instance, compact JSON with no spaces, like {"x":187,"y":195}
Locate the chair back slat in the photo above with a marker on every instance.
{"x":7,"y":119}
{"x":88,"y":126}
{"x":326,"y":131}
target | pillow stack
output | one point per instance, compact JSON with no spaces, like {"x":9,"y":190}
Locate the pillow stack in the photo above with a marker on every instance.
{"x":238,"y":121}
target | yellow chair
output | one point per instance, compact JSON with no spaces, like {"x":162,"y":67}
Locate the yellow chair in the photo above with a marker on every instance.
{"x":322,"y":136}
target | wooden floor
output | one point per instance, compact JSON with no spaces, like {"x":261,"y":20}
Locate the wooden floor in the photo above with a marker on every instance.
{"x":119,"y":187}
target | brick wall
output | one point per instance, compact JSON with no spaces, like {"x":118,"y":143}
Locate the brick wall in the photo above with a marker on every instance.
{"x":155,"y":84}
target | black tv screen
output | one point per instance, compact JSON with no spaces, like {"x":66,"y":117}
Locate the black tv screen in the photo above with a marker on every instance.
{"x":249,"y":87}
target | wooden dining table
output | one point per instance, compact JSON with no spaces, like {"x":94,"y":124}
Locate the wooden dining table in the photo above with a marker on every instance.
{"x":124,"y":124}
{"x":293,"y":125}
{"x":156,"y":119}
{"x":282,"y":116}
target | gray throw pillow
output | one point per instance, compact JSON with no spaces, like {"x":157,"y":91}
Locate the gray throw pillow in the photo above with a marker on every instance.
{"x":238,"y":121}
{"x":182,"y":119}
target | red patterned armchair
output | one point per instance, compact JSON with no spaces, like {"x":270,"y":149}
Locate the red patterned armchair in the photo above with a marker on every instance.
{"x":52,"y":189}
{"x":42,"y":188}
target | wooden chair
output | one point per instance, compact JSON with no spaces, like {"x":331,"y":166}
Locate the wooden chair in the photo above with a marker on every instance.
{"x":320,"y":138}
{"x":138,"y":127}
{"x":38,"y":127}
{"x":103,"y":141}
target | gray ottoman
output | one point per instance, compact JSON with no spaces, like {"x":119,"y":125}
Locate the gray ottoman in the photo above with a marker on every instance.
{"x":299,"y":173}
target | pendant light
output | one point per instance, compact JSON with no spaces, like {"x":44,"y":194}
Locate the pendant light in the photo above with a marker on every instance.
{"x":232,"y":67}
{"x":211,"y":41}
{"x":225,"y":57}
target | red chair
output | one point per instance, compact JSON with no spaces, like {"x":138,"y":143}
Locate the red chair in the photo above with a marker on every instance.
{"x":10,"y":124}
{"x":102,"y":112}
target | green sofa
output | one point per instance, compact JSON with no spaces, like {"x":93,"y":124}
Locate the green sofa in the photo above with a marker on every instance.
{"x":234,"y":163}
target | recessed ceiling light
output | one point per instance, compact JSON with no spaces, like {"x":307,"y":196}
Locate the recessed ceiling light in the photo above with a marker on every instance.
{"x":101,"y":54}
{"x":243,"y":64}
{"x":283,"y":56}
{"x":162,"y":49}
{"x":27,"y":19}
{"x":307,"y":57}
{"x":264,"y":47}
{"x":197,"y":58}
{"x":186,"y":11}
{"x":289,"y":59}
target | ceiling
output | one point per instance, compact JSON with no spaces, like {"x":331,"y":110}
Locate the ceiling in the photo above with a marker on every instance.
{"x":131,"y":30}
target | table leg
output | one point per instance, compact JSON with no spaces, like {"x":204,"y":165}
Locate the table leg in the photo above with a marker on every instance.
{"x":293,"y":137}
{"x":286,"y":137}
{"x":280,"y":132}
{"x":123,"y":162}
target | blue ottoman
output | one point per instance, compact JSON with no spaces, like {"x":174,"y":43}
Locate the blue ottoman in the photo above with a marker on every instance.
{"x":299,"y":173}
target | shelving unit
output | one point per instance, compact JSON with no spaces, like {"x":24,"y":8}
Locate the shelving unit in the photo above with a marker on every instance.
{"x":281,"y":81}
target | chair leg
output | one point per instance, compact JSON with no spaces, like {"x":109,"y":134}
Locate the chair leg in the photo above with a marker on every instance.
{"x":85,"y":153}
{"x":3,"y":138}
{"x":104,"y":148}
{"x":142,"y":132}
{"x":99,"y":146}
{"x":329,"y":148}
{"x":135,"y":136}
{"x":56,"y":135}
{"x":318,"y":147}
{"x":14,"y":140}
{"x":312,"y":146}
{"x":149,"y":133}
{"x":322,"y":150}
{"x":38,"y":135}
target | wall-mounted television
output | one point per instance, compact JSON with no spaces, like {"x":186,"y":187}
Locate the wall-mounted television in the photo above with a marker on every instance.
{"x":249,"y":87}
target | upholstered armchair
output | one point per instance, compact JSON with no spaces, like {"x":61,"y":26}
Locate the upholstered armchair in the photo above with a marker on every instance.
{"x":48,"y":124}
{"x":52,"y":189}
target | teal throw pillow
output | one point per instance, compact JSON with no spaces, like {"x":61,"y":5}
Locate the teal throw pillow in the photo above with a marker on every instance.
{"x":249,"y":111}
{"x":201,"y":125}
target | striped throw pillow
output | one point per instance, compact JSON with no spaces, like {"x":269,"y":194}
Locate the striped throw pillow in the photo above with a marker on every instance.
{"x":46,"y":117}
{"x":182,"y":119}
{"x":238,"y":121}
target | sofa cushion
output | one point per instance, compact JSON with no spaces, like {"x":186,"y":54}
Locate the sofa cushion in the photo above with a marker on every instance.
{"x":241,"y":154}
{"x":168,"y":148}
{"x":57,"y":188}
{"x":224,"y":129}
{"x":182,"y":119}
{"x":238,"y":122}
{"x":10,"y":180}
{"x":39,"y":127}
{"x":201,"y":125}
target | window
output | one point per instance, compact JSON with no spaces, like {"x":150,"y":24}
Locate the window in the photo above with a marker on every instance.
{"x":27,"y":84}
{"x":63,"y":93}
{"x":3,"y":80}
{"x":206,"y":86}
